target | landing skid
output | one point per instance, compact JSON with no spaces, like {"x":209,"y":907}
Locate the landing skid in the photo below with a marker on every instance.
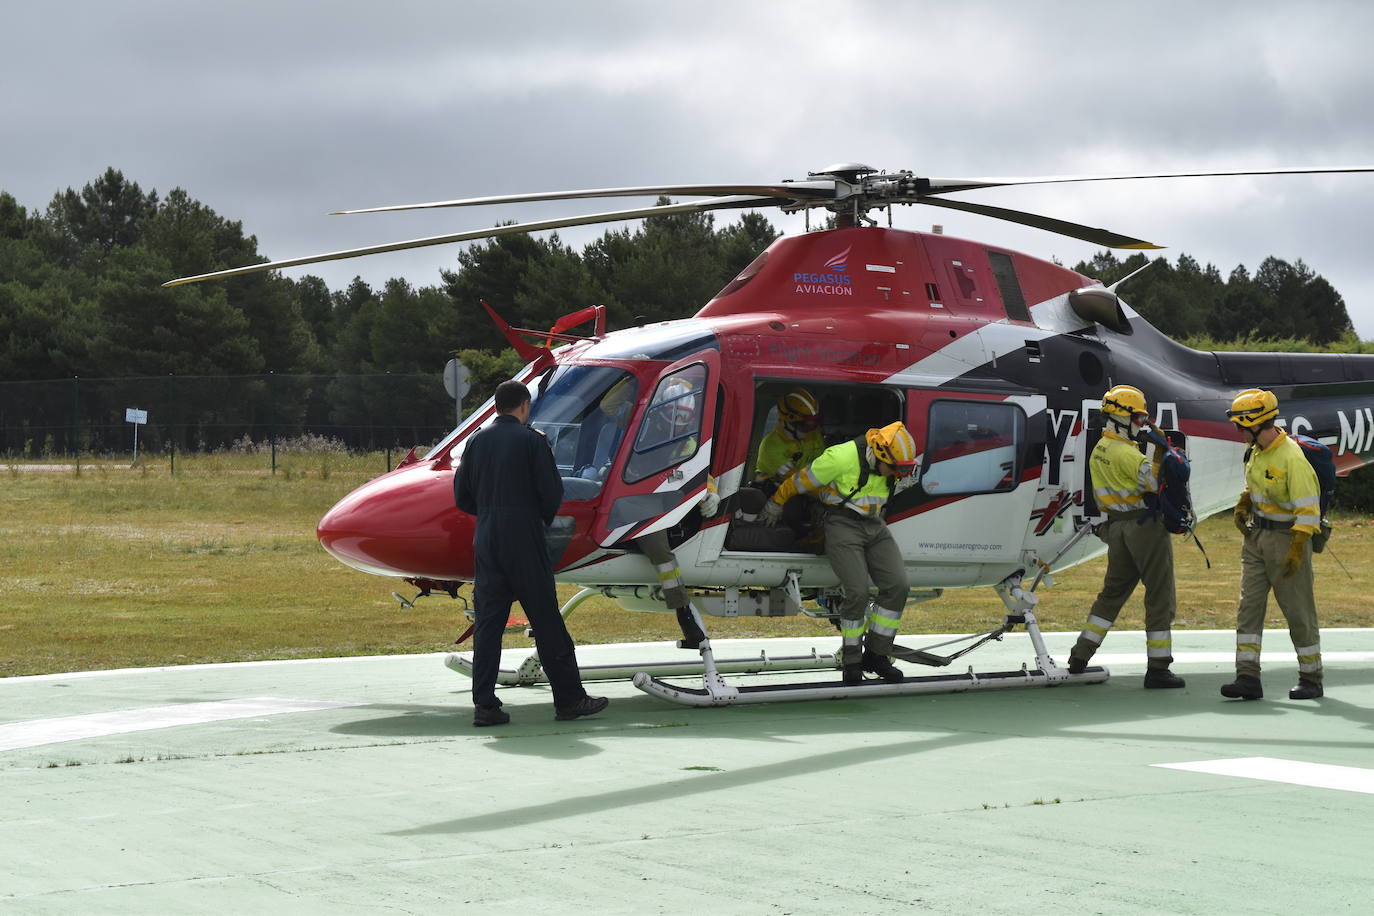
{"x":838,"y":690}
{"x":531,"y":672}
{"x":1020,"y":603}
{"x":715,"y":691}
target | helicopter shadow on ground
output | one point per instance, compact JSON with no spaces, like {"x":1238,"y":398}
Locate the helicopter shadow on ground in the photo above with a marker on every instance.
{"x":943,"y":723}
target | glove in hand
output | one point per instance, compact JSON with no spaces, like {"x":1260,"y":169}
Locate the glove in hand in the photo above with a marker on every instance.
{"x":709,"y":504}
{"x":1292,"y":561}
{"x":1241,"y":514}
{"x":771,"y":514}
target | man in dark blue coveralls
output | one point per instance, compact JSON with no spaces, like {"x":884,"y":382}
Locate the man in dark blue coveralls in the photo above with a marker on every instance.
{"x":508,"y":479}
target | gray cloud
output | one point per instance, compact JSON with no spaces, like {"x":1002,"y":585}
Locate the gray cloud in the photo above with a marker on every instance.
{"x":276,"y":113}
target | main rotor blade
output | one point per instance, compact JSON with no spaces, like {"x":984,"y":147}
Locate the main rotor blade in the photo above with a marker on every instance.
{"x":1072,"y":230}
{"x":800,"y":190}
{"x":947,"y":185}
{"x":512,"y":229}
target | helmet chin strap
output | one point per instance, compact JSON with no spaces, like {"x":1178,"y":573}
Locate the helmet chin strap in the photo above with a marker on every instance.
{"x":1128,"y":428}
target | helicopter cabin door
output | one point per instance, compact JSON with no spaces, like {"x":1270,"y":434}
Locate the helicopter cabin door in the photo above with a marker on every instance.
{"x":981,"y":461}
{"x":661,"y":475}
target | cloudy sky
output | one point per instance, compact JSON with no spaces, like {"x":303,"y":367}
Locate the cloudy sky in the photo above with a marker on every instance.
{"x":274,"y":113}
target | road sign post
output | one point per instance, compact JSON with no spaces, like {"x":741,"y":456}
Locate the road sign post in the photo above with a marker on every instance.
{"x":137,"y":418}
{"x":457,"y":382}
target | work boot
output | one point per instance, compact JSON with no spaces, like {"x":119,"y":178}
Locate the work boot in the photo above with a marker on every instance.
{"x":587,"y":706}
{"x":852,"y":674}
{"x":882,"y":666}
{"x":482,"y":716}
{"x":1077,"y":665}
{"x":1244,"y":687}
{"x":1161,"y":678}
{"x":1306,"y":690}
{"x":692,"y":636}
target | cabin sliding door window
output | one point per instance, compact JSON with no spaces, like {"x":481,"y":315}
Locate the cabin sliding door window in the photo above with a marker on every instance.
{"x":973,"y":447}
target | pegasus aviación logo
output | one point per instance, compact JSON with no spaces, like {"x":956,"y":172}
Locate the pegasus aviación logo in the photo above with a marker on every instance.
{"x":833,"y":279}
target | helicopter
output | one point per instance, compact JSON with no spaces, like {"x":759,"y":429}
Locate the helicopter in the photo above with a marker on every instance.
{"x":995,"y":361}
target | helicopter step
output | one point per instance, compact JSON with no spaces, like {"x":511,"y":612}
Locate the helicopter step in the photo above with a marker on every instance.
{"x":838,"y":690}
{"x":531,"y":672}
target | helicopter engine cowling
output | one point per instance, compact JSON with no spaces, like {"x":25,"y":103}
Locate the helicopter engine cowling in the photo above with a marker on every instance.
{"x":1100,"y":306}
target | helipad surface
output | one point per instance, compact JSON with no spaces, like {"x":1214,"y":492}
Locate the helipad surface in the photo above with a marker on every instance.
{"x":360,"y":786}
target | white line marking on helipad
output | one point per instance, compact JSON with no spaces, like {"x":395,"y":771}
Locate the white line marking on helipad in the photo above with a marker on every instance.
{"x":1295,"y":772}
{"x":37,"y":732}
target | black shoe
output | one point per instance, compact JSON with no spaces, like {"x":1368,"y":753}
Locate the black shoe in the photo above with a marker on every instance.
{"x":482,"y":716}
{"x":852,"y":675}
{"x":1245,"y":687}
{"x":1077,"y":665}
{"x":692,"y":636}
{"x":882,"y":666}
{"x":587,"y":706}
{"x":1306,"y":690}
{"x":1161,"y":678}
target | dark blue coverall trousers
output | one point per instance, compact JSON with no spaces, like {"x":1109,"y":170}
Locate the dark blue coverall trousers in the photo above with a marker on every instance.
{"x":508,"y":479}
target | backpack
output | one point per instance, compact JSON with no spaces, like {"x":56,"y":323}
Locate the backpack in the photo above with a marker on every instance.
{"x":1173,"y":503}
{"x":1324,"y":464}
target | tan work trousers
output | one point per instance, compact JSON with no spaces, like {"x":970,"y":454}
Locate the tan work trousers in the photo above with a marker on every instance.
{"x":1137,"y":552}
{"x":1261,"y":569}
{"x":861,"y":548}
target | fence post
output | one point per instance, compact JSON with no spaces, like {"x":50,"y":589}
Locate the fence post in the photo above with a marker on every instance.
{"x":173,"y":426}
{"x":272,"y":419}
{"x":76,"y":420}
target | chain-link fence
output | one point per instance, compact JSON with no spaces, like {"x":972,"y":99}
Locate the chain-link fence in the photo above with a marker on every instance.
{"x":70,"y":417}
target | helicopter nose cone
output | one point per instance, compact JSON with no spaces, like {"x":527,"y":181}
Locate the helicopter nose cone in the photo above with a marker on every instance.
{"x":402,"y":524}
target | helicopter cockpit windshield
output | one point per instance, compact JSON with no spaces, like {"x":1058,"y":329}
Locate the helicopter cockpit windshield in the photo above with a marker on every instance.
{"x":583,"y":410}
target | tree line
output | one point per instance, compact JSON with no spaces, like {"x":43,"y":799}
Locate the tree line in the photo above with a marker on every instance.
{"x":81,"y":295}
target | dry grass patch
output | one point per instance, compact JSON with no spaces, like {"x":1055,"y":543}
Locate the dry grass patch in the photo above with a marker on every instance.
{"x":118,"y":568}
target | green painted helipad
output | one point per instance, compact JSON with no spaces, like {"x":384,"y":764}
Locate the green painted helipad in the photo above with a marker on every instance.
{"x":359,"y":785}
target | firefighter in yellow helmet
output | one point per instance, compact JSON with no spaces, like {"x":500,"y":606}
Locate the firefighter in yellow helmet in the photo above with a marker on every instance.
{"x":795,"y":442}
{"x":854,"y":481}
{"x":1138,"y":546}
{"x":1277,"y":514}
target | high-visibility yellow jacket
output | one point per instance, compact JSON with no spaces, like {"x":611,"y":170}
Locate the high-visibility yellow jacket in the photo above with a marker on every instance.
{"x":1121,"y":474}
{"x":1282,"y":485}
{"x":833,"y":478}
{"x":780,"y":454}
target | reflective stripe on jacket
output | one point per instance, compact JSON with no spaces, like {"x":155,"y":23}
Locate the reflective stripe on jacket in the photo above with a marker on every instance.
{"x":1282,"y":485}
{"x":833,"y":476}
{"x":1121,"y":474}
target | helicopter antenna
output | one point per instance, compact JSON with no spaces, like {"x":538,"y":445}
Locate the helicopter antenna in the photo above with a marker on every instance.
{"x":1148,"y":263}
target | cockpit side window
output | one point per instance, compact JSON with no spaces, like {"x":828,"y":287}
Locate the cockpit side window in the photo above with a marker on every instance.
{"x":670,"y":431}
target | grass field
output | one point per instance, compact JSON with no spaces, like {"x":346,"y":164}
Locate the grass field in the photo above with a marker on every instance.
{"x":120,"y":567}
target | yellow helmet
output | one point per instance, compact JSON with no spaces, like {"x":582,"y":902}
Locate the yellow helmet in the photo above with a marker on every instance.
{"x":894,"y":445}
{"x":1124,"y":401}
{"x":1253,"y":408}
{"x":799,"y":408}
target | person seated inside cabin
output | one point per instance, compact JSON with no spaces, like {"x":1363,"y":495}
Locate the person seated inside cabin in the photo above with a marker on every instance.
{"x":791,"y":445}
